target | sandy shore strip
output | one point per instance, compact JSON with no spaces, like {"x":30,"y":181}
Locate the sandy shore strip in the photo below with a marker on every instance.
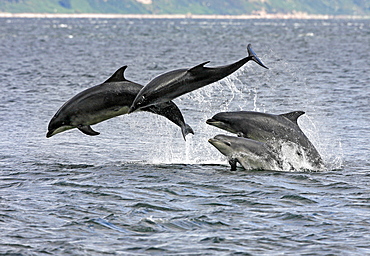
{"x":296,"y":15}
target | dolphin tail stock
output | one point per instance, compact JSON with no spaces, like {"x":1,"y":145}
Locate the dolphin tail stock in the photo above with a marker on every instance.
{"x":253,"y":56}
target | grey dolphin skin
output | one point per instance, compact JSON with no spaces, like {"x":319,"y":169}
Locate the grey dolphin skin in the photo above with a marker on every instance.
{"x":251,"y":154}
{"x":275,"y":130}
{"x":175,"y":83}
{"x":109,"y":99}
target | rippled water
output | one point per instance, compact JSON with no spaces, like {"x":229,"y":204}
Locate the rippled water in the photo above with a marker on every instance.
{"x":139,"y":188}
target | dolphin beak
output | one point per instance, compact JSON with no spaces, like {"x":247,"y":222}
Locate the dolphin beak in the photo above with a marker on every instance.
{"x":217,"y":142}
{"x":212,"y":141}
{"x":213,"y":122}
{"x":49,"y":134}
{"x":210,"y":121}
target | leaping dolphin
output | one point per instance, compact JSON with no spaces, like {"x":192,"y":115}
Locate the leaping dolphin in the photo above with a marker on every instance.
{"x":104,"y":101}
{"x":251,"y":154}
{"x":280,"y":131}
{"x":175,"y":83}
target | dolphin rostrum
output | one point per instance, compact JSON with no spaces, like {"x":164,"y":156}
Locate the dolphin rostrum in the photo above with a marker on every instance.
{"x":175,"y":83}
{"x":279,"y":131}
{"x":107,"y":100}
{"x":251,"y":154}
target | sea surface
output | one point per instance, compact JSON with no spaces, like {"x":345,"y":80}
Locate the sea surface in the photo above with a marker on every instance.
{"x":139,"y":188}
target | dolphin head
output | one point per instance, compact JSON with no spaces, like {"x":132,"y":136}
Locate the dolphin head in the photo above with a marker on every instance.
{"x":249,"y":153}
{"x":234,"y":122}
{"x":232,"y":146}
{"x":57,"y":125}
{"x":249,"y":124}
{"x":223,"y":145}
{"x":140,"y":102}
{"x":223,"y":122}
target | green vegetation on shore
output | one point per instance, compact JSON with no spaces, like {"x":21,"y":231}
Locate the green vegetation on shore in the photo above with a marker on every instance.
{"x":218,"y":7}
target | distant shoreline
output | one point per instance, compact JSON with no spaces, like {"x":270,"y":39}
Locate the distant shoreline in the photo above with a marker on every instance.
{"x":179,"y":16}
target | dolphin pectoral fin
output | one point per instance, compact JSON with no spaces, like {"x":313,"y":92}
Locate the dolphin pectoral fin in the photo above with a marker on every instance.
{"x":253,"y":56}
{"x":86,"y":129}
{"x":232,"y":163}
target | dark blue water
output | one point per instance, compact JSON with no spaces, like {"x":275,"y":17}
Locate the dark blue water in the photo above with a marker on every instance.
{"x":139,"y":188}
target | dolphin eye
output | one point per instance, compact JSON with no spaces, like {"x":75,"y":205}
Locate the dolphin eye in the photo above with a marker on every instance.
{"x":240,"y":134}
{"x":227,"y":143}
{"x":142,"y":99}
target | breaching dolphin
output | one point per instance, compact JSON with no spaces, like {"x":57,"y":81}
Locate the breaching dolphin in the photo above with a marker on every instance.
{"x":109,"y":99}
{"x":280,"y":131}
{"x":175,"y":83}
{"x":251,"y":154}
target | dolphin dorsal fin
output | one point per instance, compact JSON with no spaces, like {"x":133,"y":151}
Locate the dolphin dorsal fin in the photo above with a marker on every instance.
{"x":118,"y":76}
{"x":198,"y":67}
{"x":293,"y":116}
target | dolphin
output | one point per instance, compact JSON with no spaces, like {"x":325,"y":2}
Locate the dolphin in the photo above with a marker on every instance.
{"x":251,"y":154}
{"x":172,"y":84}
{"x":107,"y":100}
{"x":280,"y":131}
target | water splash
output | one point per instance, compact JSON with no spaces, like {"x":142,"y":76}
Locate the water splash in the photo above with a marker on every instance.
{"x":295,"y":158}
{"x":246,"y":89}
{"x":330,"y":150}
{"x":198,"y":106}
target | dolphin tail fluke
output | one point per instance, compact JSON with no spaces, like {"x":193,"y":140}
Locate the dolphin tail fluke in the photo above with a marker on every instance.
{"x":253,"y":56}
{"x":186,"y":129}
